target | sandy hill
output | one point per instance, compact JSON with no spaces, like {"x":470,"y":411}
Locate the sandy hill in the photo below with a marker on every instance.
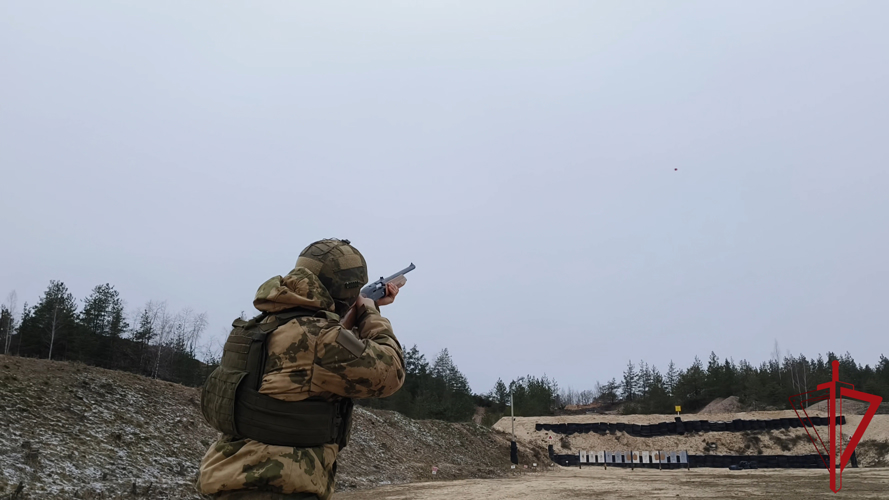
{"x":872,"y":451}
{"x":850,"y":407}
{"x":74,"y":431}
{"x":731,"y":404}
{"x":721,"y":405}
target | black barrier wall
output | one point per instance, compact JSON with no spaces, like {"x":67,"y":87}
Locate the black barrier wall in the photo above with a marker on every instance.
{"x":680,"y":427}
{"x":718,"y":461}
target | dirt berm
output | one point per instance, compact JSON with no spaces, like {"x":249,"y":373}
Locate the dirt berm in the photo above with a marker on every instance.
{"x":72,"y":431}
{"x":873,"y":451}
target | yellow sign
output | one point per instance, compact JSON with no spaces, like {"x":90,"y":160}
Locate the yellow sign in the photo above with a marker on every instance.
{"x":678,"y":409}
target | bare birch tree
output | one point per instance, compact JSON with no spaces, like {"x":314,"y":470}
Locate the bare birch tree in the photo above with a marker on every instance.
{"x":54,"y":326}
{"x":189,"y":327}
{"x":165,"y":325}
{"x":11,"y":304}
{"x":776,"y":358}
{"x":195,"y":329}
{"x":211,"y":351}
{"x":146,"y":328}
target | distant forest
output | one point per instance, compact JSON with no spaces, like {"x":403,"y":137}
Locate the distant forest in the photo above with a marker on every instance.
{"x":642,"y":388}
{"x":163,"y":344}
{"x":151,"y":340}
{"x":156,"y":342}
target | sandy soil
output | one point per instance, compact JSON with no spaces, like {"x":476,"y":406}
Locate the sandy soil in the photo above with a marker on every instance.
{"x":567,"y":484}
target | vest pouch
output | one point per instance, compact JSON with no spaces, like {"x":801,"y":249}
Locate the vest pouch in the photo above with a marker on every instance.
{"x":345,"y":431}
{"x":303,"y":424}
{"x":218,"y":399}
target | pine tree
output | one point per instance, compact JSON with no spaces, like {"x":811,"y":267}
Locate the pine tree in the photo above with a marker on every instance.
{"x":672,"y":377}
{"x":417,"y":381}
{"x":500,"y":393}
{"x":630,"y":383}
{"x":104,"y":324}
{"x":881,"y":378}
{"x":456,"y":396}
{"x":644,"y":379}
{"x":609,"y":391}
{"x":713,"y":377}
{"x":415,"y":363}
{"x":96,"y":313}
{"x":657,"y":400}
{"x":534,"y":396}
{"x":48,"y":327}
{"x":445,"y":369}
{"x":690,"y":386}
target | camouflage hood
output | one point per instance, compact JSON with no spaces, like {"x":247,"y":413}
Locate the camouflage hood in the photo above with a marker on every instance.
{"x":300,"y":288}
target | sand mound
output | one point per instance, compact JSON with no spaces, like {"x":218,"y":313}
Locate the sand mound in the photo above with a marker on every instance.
{"x":850,"y":407}
{"x":722,"y":405}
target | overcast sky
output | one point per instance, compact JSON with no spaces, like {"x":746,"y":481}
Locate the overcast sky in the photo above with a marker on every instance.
{"x":523,"y":155}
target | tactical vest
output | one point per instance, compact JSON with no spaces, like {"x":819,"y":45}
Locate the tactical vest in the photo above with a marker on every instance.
{"x":232,"y":404}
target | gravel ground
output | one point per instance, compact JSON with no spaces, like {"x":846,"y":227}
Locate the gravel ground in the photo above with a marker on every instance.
{"x":595,"y":483}
{"x":75,"y":431}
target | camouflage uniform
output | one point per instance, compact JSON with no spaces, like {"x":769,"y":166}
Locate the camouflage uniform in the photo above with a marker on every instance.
{"x":308,"y":356}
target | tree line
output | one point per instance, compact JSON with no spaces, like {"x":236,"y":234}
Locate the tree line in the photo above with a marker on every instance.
{"x":157,"y":342}
{"x":643,"y":388}
{"x":152,"y":340}
{"x":436,"y":390}
{"x":529,"y":396}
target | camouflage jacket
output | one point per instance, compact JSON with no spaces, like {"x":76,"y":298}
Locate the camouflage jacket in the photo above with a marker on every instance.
{"x":308,"y":356}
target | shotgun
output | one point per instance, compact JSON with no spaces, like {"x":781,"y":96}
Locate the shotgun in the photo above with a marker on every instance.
{"x":376,"y":291}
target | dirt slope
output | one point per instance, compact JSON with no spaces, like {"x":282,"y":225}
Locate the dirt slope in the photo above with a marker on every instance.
{"x":74,"y":431}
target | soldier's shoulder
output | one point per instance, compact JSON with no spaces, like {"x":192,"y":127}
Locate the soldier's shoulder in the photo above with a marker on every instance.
{"x":316,"y":325}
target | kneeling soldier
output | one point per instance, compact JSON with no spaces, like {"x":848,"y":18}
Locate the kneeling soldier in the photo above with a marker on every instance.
{"x":282,"y":394}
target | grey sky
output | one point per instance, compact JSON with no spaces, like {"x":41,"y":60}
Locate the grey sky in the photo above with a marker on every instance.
{"x":522,"y":155}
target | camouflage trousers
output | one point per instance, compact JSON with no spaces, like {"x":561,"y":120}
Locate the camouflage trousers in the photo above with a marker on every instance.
{"x":263,"y":495}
